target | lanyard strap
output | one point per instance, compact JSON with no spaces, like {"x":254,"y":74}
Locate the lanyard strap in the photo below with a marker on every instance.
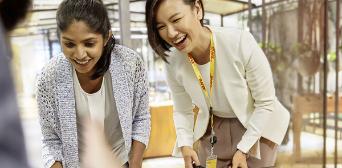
{"x":200,"y":78}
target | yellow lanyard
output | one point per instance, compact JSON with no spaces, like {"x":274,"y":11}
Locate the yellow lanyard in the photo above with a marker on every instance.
{"x":200,"y":79}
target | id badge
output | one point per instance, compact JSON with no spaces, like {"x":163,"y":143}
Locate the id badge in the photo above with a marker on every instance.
{"x":211,"y":161}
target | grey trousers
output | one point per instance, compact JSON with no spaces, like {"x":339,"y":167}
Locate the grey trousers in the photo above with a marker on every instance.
{"x":229,"y":132}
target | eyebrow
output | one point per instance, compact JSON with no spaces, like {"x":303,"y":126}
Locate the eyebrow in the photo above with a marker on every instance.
{"x":88,"y":39}
{"x":171,"y":16}
{"x":174,"y":15}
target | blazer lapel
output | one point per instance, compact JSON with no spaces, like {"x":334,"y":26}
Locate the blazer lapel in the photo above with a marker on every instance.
{"x":195,"y":92}
{"x":188,"y":76}
{"x":225,"y":68}
{"x":122,"y":95}
{"x":67,"y":111}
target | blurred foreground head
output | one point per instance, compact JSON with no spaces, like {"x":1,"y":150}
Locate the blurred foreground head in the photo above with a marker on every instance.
{"x":13,"y":11}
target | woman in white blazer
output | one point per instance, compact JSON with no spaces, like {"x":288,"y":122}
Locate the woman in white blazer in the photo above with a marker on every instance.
{"x":245,"y":119}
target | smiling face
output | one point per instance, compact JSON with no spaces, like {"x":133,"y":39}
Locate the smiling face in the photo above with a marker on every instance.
{"x":179,"y":24}
{"x":82,"y":47}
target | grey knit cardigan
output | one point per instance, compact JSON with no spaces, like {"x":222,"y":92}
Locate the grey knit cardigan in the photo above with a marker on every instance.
{"x":56,"y":103}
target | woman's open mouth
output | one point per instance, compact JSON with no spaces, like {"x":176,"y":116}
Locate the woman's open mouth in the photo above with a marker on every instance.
{"x":179,"y":43}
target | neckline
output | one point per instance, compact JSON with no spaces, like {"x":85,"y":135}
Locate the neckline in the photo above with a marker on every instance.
{"x":84,"y":92}
{"x":203,"y":65}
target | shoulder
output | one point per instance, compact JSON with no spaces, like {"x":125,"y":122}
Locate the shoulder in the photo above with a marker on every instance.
{"x":126,"y":62}
{"x":229,"y":35}
{"x":125,"y":55}
{"x":175,"y":58}
{"x":51,"y":69}
{"x":240,"y":43}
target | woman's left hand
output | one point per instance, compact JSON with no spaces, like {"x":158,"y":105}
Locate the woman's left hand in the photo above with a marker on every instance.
{"x":136,"y":154}
{"x":135,"y":165}
{"x":239,"y":160}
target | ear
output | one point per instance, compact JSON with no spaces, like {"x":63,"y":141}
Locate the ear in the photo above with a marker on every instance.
{"x":198,"y":10}
{"x":109,"y":36}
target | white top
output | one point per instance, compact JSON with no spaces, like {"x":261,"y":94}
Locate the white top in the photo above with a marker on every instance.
{"x":221,"y":106}
{"x":246,"y":83}
{"x":100,"y":106}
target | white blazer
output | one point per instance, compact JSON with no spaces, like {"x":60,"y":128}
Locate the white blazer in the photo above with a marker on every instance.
{"x":247,"y":83}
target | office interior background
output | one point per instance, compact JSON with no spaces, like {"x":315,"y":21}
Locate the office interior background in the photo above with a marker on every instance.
{"x":301,"y":39}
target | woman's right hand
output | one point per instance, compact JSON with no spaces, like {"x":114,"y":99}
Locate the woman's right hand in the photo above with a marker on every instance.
{"x":57,"y":165}
{"x":190,"y":157}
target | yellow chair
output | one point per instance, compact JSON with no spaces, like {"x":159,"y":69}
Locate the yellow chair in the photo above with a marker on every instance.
{"x":163,"y":134}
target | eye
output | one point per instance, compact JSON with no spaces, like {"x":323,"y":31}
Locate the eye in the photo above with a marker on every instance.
{"x":69,"y":45}
{"x":89,"y":44}
{"x":160,"y":27}
{"x":176,"y":20}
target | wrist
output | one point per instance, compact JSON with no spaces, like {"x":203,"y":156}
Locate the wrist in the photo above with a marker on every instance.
{"x":185,"y":148}
{"x":244,"y":153}
{"x":134,"y":162}
{"x":134,"y":165}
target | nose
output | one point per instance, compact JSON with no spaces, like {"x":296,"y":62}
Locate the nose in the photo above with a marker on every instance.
{"x":80,"y":53}
{"x":171,"y":32}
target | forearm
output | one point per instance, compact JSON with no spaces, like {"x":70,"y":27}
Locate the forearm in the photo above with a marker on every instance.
{"x":136,"y":154}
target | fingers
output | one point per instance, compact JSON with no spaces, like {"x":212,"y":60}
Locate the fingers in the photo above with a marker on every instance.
{"x":195,"y":159}
{"x":190,"y":157}
{"x":239,"y":160}
{"x":238,"y":166}
{"x":188,"y":161}
{"x":234,"y":165}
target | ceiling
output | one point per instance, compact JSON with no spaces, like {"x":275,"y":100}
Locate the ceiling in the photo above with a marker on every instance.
{"x":42,"y":15}
{"x":224,"y":7}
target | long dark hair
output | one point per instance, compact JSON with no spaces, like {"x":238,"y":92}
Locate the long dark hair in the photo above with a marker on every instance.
{"x":156,"y":42}
{"x":94,"y":14}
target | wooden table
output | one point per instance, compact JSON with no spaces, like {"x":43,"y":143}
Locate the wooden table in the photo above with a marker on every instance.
{"x":304,"y":105}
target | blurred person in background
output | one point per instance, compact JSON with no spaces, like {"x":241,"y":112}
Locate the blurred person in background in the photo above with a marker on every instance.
{"x":97,"y":152}
{"x":93,"y":77}
{"x":12,"y":148}
{"x":227,"y":76}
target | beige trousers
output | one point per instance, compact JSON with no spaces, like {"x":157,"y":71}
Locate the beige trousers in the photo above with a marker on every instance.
{"x":229,"y":132}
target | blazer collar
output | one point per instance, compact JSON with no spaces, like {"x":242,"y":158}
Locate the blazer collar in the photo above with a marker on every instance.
{"x":224,"y":65}
{"x":225,"y":68}
{"x":66,"y":107}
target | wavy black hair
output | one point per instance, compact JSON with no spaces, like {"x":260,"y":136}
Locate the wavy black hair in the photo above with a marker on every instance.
{"x":94,"y":14}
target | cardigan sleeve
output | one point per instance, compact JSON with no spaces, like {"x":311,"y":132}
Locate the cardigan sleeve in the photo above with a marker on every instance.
{"x":260,"y":83}
{"x":51,"y":142}
{"x":141,"y":121}
{"x":183,"y":115}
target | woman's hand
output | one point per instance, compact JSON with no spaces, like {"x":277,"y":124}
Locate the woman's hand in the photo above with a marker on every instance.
{"x":136,"y":154}
{"x":57,"y":165}
{"x":189,"y":156}
{"x":239,"y":160}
